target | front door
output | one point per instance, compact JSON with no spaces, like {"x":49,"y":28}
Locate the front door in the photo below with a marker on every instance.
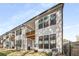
{"x":29,"y":44}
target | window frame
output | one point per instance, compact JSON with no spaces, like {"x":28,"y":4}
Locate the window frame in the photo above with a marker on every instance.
{"x":49,"y":39}
{"x":52,"y":38}
{"x":41,"y":39}
{"x":46,"y":21}
{"x":19,"y":43}
{"x":18,"y":32}
{"x":53,"y":19}
{"x":46,"y":38}
{"x":41,"y":23}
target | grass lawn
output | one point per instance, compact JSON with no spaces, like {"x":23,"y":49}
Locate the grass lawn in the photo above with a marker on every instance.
{"x":27,"y":53}
{"x":4,"y":52}
{"x":17,"y":53}
{"x":31,"y":53}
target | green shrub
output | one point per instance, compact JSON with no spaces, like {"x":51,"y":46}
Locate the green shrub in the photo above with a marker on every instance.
{"x":2,"y":54}
{"x":49,"y":54}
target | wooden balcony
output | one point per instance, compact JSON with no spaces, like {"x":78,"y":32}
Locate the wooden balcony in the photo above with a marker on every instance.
{"x":31,"y":35}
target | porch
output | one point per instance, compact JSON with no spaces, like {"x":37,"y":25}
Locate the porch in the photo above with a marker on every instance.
{"x":30,"y":39}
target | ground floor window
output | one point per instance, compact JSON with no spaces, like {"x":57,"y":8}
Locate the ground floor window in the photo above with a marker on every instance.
{"x":18,"y":44}
{"x":52,"y":46}
{"x":52,"y":41}
{"x":8,"y":43}
{"x":40,"y":46}
{"x":41,"y":42}
{"x":47,"y":41}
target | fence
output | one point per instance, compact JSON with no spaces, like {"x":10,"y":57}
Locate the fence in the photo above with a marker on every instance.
{"x":75,"y":51}
{"x":71,"y":50}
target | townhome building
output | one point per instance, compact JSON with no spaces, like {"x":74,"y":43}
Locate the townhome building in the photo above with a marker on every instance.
{"x":43,"y":32}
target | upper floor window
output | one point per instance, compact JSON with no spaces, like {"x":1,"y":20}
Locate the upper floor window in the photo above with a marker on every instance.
{"x":41,"y":20}
{"x":46,"y":21}
{"x":41,"y":24}
{"x":19,"y":32}
{"x":46,"y":17}
{"x":52,"y":19}
{"x":46,"y":24}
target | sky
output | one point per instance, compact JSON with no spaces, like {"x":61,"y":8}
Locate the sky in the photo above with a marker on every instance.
{"x":12,"y":15}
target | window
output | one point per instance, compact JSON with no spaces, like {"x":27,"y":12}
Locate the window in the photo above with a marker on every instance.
{"x":52,"y":41}
{"x":46,"y":21}
{"x":41,"y":20}
{"x":46,"y":17}
{"x":18,"y":43}
{"x":41,"y":42}
{"x":8,"y":44}
{"x":52,"y":46}
{"x":19,"y":32}
{"x":52,"y":19}
{"x":46,"y":42}
{"x":53,"y":37}
{"x":41,"y":24}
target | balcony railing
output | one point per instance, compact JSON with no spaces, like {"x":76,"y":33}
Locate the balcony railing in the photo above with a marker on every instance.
{"x":30,"y":34}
